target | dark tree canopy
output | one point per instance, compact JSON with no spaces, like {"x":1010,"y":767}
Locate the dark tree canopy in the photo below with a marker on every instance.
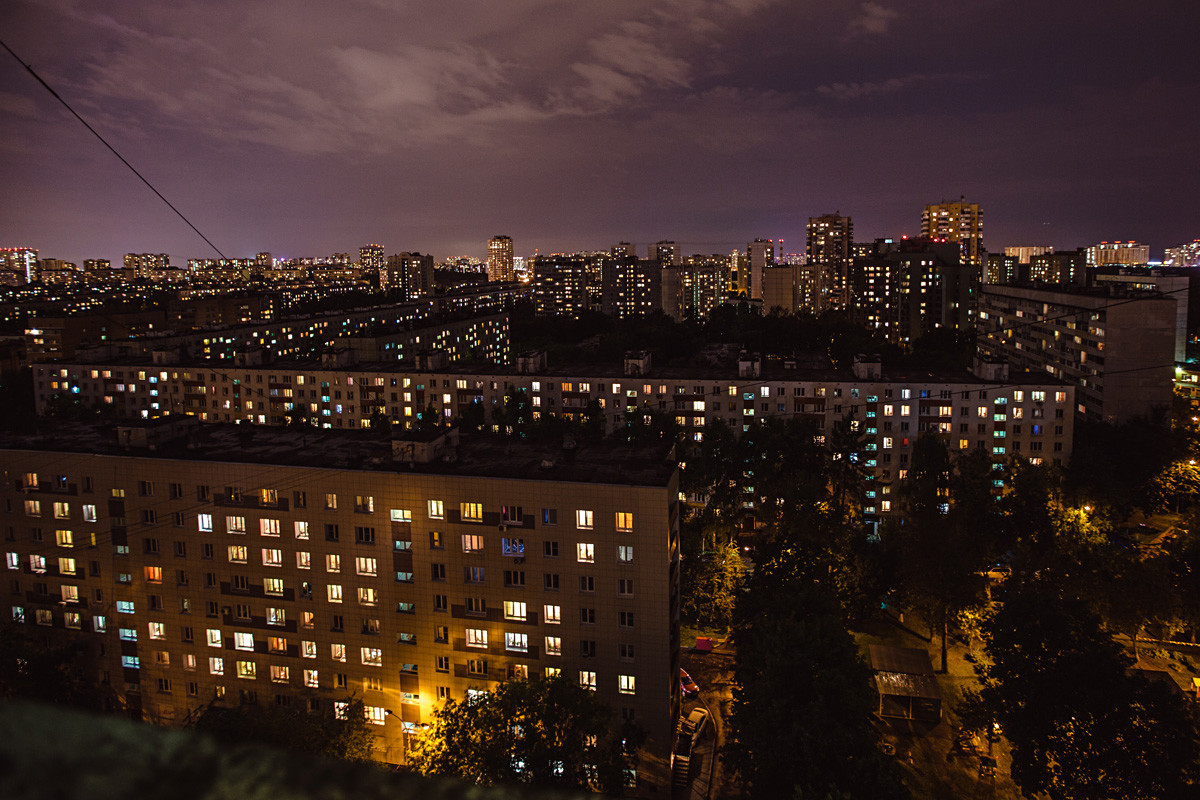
{"x":1080,"y":723}
{"x":343,"y":735}
{"x":540,"y":732}
{"x":802,"y":709}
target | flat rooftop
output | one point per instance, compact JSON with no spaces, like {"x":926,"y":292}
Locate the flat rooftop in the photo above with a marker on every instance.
{"x":477,"y":455}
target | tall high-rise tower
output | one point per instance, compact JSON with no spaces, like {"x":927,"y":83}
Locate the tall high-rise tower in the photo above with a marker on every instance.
{"x":761,"y":254}
{"x":828,"y":250}
{"x":668,"y":253}
{"x":960,"y":222}
{"x":371,"y":257}
{"x":500,"y":259}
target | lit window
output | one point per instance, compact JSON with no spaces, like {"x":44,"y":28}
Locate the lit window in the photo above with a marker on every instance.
{"x":310,"y":679}
{"x":553,"y":646}
{"x":268,"y":527}
{"x":301,"y":529}
{"x":472,"y":511}
{"x":624,"y":521}
{"x":516,"y":642}
{"x":436,"y":509}
{"x":587,"y":679}
{"x":308,"y":649}
{"x":552,"y":614}
{"x":272,"y":558}
{"x":204,"y":522}
{"x":514,"y":610}
{"x":333,"y":563}
{"x":583,"y":519}
{"x":247,"y":670}
{"x":585,"y":552}
{"x":401,"y":515}
{"x":273,"y":586}
{"x":365,"y":566}
{"x":626,"y":684}
{"x":214,"y":637}
{"x":279,"y":674}
{"x":476,"y":637}
{"x":367,"y":596}
{"x":625,"y":553}
{"x":243,"y":641}
{"x":334,"y":593}
{"x":237,"y":554}
{"x":472,"y":543}
{"x":158,"y":630}
{"x":337,"y":652}
{"x":64,"y":538}
{"x":235,"y":524}
{"x":372,"y":656}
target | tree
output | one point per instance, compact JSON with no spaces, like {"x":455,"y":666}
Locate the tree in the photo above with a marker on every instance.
{"x":540,"y":732}
{"x":341,"y":733}
{"x":803,"y":705}
{"x":48,"y":669}
{"x":940,"y":545}
{"x":709,"y":586}
{"x":1080,"y":724}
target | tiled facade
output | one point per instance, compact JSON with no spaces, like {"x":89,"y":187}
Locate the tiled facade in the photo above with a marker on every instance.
{"x":203,"y":578}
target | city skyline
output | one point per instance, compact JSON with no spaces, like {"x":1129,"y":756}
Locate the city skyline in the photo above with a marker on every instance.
{"x":704,"y":123}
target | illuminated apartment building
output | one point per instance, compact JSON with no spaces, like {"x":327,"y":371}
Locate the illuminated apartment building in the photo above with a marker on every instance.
{"x":960,"y":222}
{"x":297,"y":568}
{"x":500,"y":259}
{"x":692,"y":289}
{"x":411,"y":274}
{"x":1123,"y":253}
{"x":630,"y":286}
{"x":1115,"y":345}
{"x":562,"y":283}
{"x":828,"y":245}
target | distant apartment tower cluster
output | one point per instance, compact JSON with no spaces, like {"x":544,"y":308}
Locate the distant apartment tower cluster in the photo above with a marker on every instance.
{"x":144,"y":265}
{"x":18,"y":265}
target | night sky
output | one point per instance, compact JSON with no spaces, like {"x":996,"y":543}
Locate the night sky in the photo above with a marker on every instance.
{"x":310,"y":128}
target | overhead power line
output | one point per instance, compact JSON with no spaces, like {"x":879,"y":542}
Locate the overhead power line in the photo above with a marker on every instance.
{"x":103,"y":141}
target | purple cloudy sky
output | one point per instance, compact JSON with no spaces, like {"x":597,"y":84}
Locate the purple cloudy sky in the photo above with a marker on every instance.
{"x":307,"y":128}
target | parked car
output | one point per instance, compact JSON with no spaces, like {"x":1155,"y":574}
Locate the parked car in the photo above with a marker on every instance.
{"x":687,"y":684}
{"x":695,"y":722}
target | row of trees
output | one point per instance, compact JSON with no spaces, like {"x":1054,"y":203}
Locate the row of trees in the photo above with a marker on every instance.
{"x":818,"y":572}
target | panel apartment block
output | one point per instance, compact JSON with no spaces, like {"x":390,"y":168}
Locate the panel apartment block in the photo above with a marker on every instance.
{"x":1117,"y":346}
{"x":300,"y":567}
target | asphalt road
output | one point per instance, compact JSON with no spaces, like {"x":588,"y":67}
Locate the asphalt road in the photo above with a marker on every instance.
{"x":713,"y":673}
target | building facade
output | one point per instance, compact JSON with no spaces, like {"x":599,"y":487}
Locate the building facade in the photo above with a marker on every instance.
{"x":500,"y":259}
{"x":1116,"y":346}
{"x":208,"y":570}
{"x":960,"y":222}
{"x":828,"y":245}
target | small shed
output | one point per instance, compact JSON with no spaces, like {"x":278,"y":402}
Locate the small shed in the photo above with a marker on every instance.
{"x":904,"y":683}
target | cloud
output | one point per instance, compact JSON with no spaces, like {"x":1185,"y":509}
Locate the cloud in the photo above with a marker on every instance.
{"x":855,"y":90}
{"x":874,"y":19}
